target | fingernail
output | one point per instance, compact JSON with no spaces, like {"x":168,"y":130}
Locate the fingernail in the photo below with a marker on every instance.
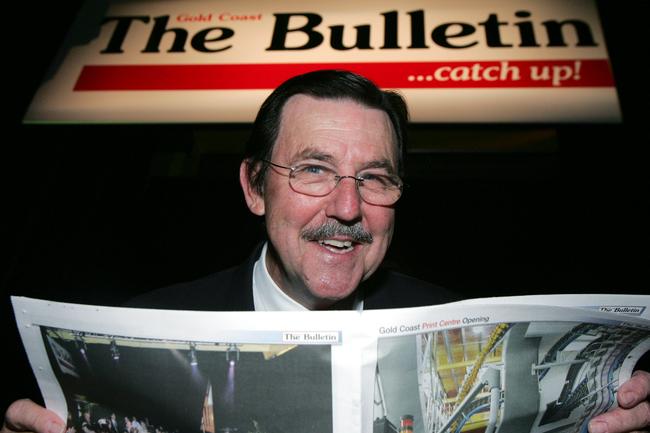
{"x":55,"y":427}
{"x":625,"y":398}
{"x":597,"y":427}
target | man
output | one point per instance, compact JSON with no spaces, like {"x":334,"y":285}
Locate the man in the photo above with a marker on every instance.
{"x":87,"y":426}
{"x":112,"y":424}
{"x":322,"y":166}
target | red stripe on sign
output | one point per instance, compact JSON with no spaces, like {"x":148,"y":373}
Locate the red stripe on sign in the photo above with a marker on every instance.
{"x":488,"y":74}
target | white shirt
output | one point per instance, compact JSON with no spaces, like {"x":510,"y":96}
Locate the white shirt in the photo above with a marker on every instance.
{"x":267,"y":296}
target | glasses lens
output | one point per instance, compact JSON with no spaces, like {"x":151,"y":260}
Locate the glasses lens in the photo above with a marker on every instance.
{"x":384,"y":197}
{"x":379,"y":188}
{"x":312,"y":180}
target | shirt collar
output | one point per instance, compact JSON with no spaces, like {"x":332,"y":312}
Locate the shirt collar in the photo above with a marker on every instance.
{"x":267,"y":296}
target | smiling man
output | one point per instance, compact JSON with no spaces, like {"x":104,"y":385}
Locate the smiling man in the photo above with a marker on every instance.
{"x":325,"y":177}
{"x":323,"y":168}
{"x":328,"y":198}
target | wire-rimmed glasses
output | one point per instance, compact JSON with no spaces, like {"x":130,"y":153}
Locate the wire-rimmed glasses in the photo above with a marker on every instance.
{"x":375,"y":185}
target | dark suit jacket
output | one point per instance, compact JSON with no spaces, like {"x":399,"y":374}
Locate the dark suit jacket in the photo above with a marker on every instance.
{"x":232,"y":290}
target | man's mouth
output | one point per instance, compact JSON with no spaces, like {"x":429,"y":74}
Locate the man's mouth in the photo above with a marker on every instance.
{"x":337,"y":246}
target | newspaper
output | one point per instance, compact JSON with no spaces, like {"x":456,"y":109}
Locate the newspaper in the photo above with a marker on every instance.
{"x":506,"y":365}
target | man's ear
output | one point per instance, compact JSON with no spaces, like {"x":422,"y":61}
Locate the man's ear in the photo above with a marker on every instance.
{"x":254,"y":199}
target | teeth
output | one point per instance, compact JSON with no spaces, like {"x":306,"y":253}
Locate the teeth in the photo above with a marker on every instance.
{"x":335,"y":243}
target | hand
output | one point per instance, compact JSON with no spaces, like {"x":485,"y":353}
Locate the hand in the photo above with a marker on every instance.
{"x":633,"y":413}
{"x":27,"y":416}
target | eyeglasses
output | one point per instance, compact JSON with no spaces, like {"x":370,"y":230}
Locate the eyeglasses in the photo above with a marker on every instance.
{"x":375,"y":186}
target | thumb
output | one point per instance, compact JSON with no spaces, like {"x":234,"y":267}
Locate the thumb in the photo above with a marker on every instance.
{"x":27,"y":416}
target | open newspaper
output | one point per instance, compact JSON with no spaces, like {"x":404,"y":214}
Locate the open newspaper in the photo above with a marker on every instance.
{"x":506,"y":365}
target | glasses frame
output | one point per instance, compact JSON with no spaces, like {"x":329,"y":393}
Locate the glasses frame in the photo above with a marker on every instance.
{"x":357,"y":181}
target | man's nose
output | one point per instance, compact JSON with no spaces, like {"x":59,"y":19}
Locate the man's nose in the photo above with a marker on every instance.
{"x":345,"y":201}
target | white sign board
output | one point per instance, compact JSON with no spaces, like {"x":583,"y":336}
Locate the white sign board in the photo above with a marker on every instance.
{"x":216,"y":60}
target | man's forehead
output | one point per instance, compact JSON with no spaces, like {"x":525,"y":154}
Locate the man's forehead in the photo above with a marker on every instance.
{"x":324,"y":104}
{"x":297,"y":121}
{"x":316,"y":153}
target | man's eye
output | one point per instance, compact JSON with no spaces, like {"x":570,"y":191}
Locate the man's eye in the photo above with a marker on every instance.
{"x":368,"y":176}
{"x":312,"y":170}
{"x":376,"y":179}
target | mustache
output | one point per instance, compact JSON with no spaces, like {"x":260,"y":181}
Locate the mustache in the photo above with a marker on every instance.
{"x":356,"y":232}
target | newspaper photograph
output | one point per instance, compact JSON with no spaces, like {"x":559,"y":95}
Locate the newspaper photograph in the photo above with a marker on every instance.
{"x":185,"y":384}
{"x":489,"y":367}
{"x":520,"y":366}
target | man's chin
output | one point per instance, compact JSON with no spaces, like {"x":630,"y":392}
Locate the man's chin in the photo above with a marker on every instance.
{"x":324,"y":298}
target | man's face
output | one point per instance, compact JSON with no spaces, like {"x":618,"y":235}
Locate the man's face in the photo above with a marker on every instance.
{"x":348,"y":138}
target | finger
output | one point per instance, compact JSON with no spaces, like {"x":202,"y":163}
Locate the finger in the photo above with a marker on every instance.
{"x":622,"y":420}
{"x":27,"y":416}
{"x":635,"y":390}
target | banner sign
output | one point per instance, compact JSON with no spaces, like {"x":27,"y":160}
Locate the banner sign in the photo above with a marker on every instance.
{"x":216,"y":60}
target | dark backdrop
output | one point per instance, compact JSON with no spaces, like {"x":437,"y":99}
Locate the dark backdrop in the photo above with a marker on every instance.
{"x":99,"y":213}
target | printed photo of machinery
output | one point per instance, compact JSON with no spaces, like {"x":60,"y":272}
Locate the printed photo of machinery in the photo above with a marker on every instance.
{"x":537,"y":377}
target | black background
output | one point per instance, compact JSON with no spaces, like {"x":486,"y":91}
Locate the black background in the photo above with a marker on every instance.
{"x":99,"y":213}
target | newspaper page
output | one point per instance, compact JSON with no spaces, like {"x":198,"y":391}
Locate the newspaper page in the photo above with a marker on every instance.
{"x":529,"y":364}
{"x":108,"y":369}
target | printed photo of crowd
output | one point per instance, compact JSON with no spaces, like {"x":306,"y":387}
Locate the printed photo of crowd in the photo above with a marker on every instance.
{"x":116,"y":384}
